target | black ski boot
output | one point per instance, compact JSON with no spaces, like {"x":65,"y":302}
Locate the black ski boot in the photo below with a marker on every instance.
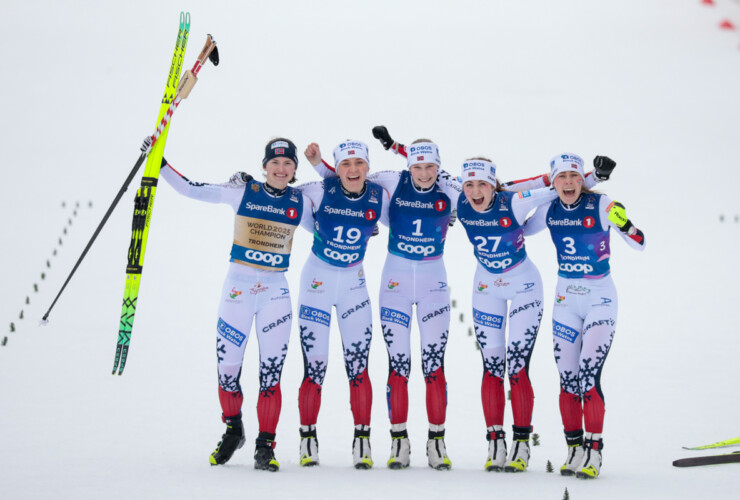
{"x":232,"y":440}
{"x":264,"y":457}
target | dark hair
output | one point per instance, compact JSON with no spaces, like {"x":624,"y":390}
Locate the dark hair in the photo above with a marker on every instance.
{"x":417,"y":141}
{"x":295,"y":160}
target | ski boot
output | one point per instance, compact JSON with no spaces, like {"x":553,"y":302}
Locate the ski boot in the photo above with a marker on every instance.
{"x":264,"y":456}
{"x":496,"y":448}
{"x":309,"y":446}
{"x":436,"y":449}
{"x":400,"y":447}
{"x":519,"y":458}
{"x":232,"y":440}
{"x":361,"y":448}
{"x":576,"y":452}
{"x":591,"y":465}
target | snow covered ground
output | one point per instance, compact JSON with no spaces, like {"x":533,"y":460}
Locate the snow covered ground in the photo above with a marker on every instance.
{"x":652,"y":84}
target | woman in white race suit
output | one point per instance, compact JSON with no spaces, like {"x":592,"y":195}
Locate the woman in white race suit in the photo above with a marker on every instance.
{"x":414,"y":273}
{"x":507,"y":289}
{"x":255,"y":289}
{"x":585,"y":310}
{"x":346,"y":211}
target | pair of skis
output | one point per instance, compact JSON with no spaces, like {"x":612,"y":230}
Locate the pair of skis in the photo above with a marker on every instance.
{"x":175,"y":91}
{"x":725,"y":458}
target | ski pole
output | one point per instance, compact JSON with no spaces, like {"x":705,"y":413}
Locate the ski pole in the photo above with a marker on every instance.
{"x":186,"y":85}
{"x":118,"y":197}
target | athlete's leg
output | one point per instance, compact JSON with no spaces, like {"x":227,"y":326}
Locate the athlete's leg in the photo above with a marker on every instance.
{"x":235,"y":314}
{"x":567,"y":325}
{"x":489,"y":321}
{"x":314,"y":318}
{"x":525,"y":314}
{"x":598,"y":333}
{"x":273,"y":322}
{"x":396,"y":290}
{"x":433,"y":318}
{"x":354,"y":315}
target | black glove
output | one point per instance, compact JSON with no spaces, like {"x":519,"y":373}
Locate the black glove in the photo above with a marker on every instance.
{"x":603,"y":167}
{"x":381,"y":134}
{"x":146,"y":145}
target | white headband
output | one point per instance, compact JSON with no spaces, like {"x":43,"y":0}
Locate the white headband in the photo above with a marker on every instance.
{"x":566,"y":162}
{"x":351,"y":149}
{"x":422,"y":152}
{"x":480,"y":170}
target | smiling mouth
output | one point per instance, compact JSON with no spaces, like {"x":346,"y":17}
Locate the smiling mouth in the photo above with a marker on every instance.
{"x":353,"y":178}
{"x":478,"y":201}
{"x":569,"y":192}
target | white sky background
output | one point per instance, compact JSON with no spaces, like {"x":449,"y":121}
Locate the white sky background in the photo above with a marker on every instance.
{"x":650,"y":83}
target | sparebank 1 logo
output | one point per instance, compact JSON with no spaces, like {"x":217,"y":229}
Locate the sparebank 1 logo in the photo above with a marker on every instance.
{"x":481,"y":286}
{"x":559,"y":298}
{"x":235,"y":293}
{"x":392,"y":284}
{"x":315,"y":284}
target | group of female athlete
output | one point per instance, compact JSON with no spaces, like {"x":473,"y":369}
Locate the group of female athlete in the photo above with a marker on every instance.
{"x":418,"y":205}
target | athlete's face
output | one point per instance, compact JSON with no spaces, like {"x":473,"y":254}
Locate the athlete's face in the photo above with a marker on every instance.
{"x":478,"y":193}
{"x":352,"y":172}
{"x":279,"y":172}
{"x":569,"y":186}
{"x":424,"y":174}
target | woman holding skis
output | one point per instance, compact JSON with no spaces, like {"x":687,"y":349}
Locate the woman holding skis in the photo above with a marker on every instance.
{"x":585,"y":311}
{"x":266,"y":216}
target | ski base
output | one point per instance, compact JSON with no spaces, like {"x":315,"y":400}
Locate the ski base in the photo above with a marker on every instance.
{"x":728,"y":458}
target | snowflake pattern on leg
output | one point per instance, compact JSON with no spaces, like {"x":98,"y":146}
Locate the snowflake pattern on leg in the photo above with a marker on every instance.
{"x":307,"y":339}
{"x":432,"y":358}
{"x":590,"y":374}
{"x":220,"y":349}
{"x":517,"y":355}
{"x":270,"y":373}
{"x":387,"y":334}
{"x":355,"y":358}
{"x":229,"y":383}
{"x":401,"y":364}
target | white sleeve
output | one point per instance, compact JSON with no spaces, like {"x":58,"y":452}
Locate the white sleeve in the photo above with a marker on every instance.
{"x":636,"y":241}
{"x":450,"y":186}
{"x":384,"y":212}
{"x":313,"y":193}
{"x":387,"y":179}
{"x":210,"y":193}
{"x":591,"y":180}
{"x":536,"y":223}
{"x":526,"y":201}
{"x":324,"y":170}
{"x":539,"y":182}
{"x":307,"y":220}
